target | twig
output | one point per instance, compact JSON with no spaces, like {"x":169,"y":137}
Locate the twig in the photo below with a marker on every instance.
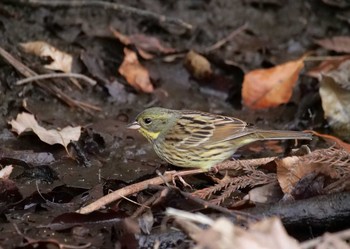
{"x":20,"y":67}
{"x":54,"y":90}
{"x":107,"y":5}
{"x":222,"y":42}
{"x":147,"y":204}
{"x":239,"y":164}
{"x":118,"y":194}
{"x":31,"y":241}
{"x":239,"y":214}
{"x":137,"y":187}
{"x":56,"y":75}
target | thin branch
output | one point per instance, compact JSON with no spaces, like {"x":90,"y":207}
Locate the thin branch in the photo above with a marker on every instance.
{"x":56,"y":75}
{"x":128,"y":190}
{"x":137,"y":187}
{"x":240,"y":164}
{"x":54,"y":90}
{"x":223,"y":41}
{"x":107,"y":5}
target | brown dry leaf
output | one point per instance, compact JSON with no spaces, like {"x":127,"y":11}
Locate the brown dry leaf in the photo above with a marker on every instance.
{"x":26,"y":122}
{"x":332,"y":139}
{"x":290,"y":170}
{"x":265,"y":88}
{"x":220,"y":235}
{"x":198,"y":65}
{"x":327,"y":65}
{"x":135,"y":74}
{"x":268,"y":233}
{"x":336,"y":43}
{"x":144,"y":44}
{"x":335,"y":96}
{"x":60,"y":60}
{"x":223,"y":234}
{"x":149,"y":44}
{"x":6,"y":172}
{"x":122,"y":38}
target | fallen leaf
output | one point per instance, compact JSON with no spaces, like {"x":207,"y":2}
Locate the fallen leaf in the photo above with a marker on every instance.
{"x":198,"y":65}
{"x":289,"y":172}
{"x":268,"y":233}
{"x":219,"y":235}
{"x":335,"y":96}
{"x":149,"y":44}
{"x":135,"y":74}
{"x":304,"y":175}
{"x":146,"y":45}
{"x":26,"y":122}
{"x":6,"y":172}
{"x":265,"y":88}
{"x":327,"y":65}
{"x":60,"y":60}
{"x":337,"y":43}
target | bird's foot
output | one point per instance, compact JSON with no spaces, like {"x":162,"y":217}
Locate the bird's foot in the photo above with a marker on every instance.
{"x":179,"y":175}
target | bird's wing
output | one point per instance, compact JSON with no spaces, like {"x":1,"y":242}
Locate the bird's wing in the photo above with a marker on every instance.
{"x":227,"y":128}
{"x":195,"y":129}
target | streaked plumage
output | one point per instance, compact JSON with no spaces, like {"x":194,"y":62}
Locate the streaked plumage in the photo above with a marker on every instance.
{"x":196,"y":139}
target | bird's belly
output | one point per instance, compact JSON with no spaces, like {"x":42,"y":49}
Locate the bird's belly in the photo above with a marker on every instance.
{"x":198,"y":157}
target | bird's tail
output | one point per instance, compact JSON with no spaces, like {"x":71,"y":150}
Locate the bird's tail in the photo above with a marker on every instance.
{"x":281,"y":135}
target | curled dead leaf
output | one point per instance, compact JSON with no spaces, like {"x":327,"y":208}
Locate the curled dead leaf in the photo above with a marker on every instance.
{"x":135,"y":74}
{"x":6,"y":172}
{"x":327,"y":65}
{"x":146,"y":45}
{"x":26,"y":122}
{"x":290,"y":170}
{"x":293,"y":172}
{"x":335,"y":96}
{"x":336,"y":43}
{"x":60,"y":60}
{"x":266,"y":88}
{"x":198,"y":65}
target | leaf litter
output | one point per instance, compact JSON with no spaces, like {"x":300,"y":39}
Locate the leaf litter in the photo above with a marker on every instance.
{"x":25,"y":122}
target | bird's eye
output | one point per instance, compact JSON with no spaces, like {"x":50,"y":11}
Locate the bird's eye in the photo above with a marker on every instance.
{"x":147,"y":120}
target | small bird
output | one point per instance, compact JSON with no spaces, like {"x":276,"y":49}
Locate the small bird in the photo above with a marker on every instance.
{"x":195,"y":139}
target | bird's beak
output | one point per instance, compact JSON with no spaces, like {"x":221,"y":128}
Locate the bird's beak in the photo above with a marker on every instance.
{"x":134,"y":126}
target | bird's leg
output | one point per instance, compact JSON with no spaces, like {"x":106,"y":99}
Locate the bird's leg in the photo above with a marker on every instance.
{"x":214,"y":170}
{"x":180,"y":174}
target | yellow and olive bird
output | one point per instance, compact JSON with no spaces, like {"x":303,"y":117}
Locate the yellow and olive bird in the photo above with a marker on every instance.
{"x":195,"y":139}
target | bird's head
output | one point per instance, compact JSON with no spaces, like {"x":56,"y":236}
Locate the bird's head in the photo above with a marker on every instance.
{"x":153,"y":122}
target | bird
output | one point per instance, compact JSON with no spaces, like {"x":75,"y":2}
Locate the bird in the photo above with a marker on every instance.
{"x":195,"y":139}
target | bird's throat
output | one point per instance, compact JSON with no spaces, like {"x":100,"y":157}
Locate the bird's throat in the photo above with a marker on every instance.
{"x":149,"y":134}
